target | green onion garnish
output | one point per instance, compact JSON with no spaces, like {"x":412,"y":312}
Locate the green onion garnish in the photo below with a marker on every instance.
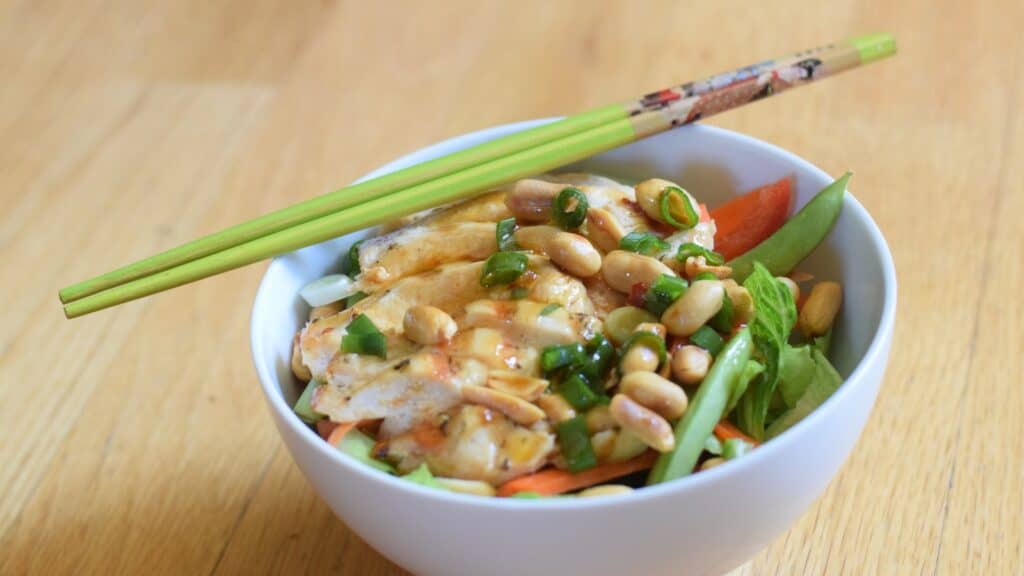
{"x":570,"y":209}
{"x":549,"y":309}
{"x":503,"y":268}
{"x":574,"y":441}
{"x":555,"y":358}
{"x":351,"y":300}
{"x":643,"y":243}
{"x":676,"y":208}
{"x":724,"y":318}
{"x":708,"y":339}
{"x":663,"y":292}
{"x":518,"y":293}
{"x":578,"y":393}
{"x":363,"y":337}
{"x":505,"y":233}
{"x":735,"y":447}
{"x":692,"y":249}
{"x":302,"y":407}
{"x":601,"y":355}
{"x":648,"y":339}
{"x":350,"y":265}
{"x":704,"y":276}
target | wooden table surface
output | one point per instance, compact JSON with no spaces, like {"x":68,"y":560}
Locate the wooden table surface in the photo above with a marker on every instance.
{"x":136,"y":440}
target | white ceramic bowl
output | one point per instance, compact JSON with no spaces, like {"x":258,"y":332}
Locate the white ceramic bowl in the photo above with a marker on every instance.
{"x":707,"y":523}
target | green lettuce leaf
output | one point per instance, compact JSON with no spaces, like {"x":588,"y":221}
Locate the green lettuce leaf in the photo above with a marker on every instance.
{"x":751,"y":370}
{"x":823,"y":384}
{"x":796,"y":372}
{"x":423,"y":477}
{"x":360,"y":446}
{"x":775,"y":315}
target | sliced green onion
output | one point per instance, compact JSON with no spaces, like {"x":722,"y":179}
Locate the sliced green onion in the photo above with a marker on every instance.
{"x":601,"y":355}
{"x":663,"y":292}
{"x":705,"y":276}
{"x":724,"y":318}
{"x":362,"y":324}
{"x":555,"y":358}
{"x":503,"y":268}
{"x":351,"y":300}
{"x":677,"y":209}
{"x":574,"y":441}
{"x":363,"y":337}
{"x":505,"y":233}
{"x":302,"y":407}
{"x":735,"y":447}
{"x":528,"y":495}
{"x":622,"y":322}
{"x":570,"y":209}
{"x":649,"y":339}
{"x":350,"y":265}
{"x":519,"y":293}
{"x":330,"y":288}
{"x":549,"y":309}
{"x":643,"y":243}
{"x":578,"y":393}
{"x":708,"y":339}
{"x":693,"y":249}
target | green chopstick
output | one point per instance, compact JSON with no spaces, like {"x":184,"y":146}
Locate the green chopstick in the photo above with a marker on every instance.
{"x":465,"y":173}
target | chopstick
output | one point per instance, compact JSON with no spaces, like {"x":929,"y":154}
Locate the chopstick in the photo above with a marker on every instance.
{"x":465,"y":173}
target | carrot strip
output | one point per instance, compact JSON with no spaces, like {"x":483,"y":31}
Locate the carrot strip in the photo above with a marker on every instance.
{"x":746,"y":221}
{"x":725,"y":430}
{"x":554,"y":481}
{"x":325,"y":427}
{"x":339,"y":432}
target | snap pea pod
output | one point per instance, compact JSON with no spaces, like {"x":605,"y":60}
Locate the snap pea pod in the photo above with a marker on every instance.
{"x":798,"y":237}
{"x":705,"y":410}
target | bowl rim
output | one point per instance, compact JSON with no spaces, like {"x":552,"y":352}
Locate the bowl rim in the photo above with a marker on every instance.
{"x":858,"y":376}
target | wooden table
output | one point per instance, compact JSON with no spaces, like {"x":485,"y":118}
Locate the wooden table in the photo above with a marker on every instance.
{"x":135,"y":440}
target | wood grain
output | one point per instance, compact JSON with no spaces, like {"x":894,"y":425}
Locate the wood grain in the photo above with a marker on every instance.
{"x":135,"y":440}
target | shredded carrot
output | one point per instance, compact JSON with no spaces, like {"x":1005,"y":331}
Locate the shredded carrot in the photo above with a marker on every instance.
{"x":325,"y":427}
{"x":339,"y":432}
{"x":745,"y":222}
{"x":725,"y":430}
{"x":554,"y":481}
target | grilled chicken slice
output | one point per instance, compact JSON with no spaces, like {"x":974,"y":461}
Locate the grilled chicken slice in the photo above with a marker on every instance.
{"x":403,"y":392}
{"x":473,"y":443}
{"x":419,"y":248}
{"x":524,"y":321}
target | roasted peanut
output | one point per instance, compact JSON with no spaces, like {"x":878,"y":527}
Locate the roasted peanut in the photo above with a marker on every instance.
{"x":530,"y":200}
{"x":654,"y":392}
{"x":793,"y":288}
{"x":556,"y":408}
{"x":605,"y":490}
{"x":570,"y":252}
{"x":690,"y":364}
{"x":648,"y":195}
{"x":617,"y":445}
{"x":639,"y":358}
{"x":604,"y":229}
{"x":515,"y":408}
{"x":300,"y":370}
{"x":697,"y":264}
{"x":599,"y":419}
{"x":326,"y":310}
{"x":742,"y":302}
{"x":648,"y":425}
{"x":694,"y":308}
{"x":622,"y":269}
{"x":711,"y":463}
{"x":656,"y":328}
{"x":475,"y":487}
{"x":820,"y":309}
{"x":428,"y":325}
